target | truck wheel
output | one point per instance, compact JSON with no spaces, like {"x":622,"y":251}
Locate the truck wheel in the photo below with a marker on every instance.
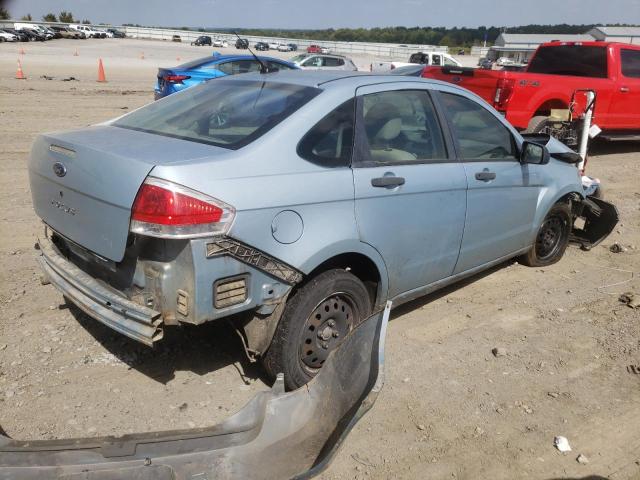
{"x":552,"y":238}
{"x":536,"y":124}
{"x":314,"y":322}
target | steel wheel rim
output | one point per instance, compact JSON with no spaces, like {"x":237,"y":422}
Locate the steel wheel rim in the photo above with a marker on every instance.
{"x":550,"y":237}
{"x":329,"y":322}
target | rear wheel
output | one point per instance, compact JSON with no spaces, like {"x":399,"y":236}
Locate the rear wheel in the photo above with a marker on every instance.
{"x":552,"y":238}
{"x":537,"y":124}
{"x":314,"y":322}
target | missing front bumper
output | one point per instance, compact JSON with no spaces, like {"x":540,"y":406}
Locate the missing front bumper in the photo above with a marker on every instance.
{"x":599,"y":217}
{"x":276,"y":435}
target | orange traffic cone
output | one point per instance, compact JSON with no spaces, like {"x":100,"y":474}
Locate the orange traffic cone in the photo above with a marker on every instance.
{"x":101,"y":77}
{"x":20,"y":74}
{"x":177,"y":59}
{"x":75,"y":54}
{"x":22,"y":52}
{"x":141,"y":55}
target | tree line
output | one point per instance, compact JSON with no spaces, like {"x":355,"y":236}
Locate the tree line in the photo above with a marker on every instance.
{"x":63,"y":17}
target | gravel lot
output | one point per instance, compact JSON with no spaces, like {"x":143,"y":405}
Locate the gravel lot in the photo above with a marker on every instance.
{"x":449,"y":409}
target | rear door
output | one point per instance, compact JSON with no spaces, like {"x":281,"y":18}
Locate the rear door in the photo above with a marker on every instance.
{"x":409,"y":192}
{"x":502,"y":193}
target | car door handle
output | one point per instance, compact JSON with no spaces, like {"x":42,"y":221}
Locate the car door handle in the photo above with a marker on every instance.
{"x":624,"y":89}
{"x":485,"y":176}
{"x":387,"y":182}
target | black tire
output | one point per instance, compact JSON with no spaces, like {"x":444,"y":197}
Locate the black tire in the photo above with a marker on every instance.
{"x":536,"y":124}
{"x":552,"y":238}
{"x":313,"y":323}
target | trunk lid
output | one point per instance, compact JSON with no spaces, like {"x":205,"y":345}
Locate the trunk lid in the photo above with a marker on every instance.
{"x":84,"y":182}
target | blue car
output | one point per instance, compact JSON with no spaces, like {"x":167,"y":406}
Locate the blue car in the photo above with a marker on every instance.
{"x":176,"y":79}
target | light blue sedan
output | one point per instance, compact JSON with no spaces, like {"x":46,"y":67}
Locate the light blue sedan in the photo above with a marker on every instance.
{"x":295,"y":204}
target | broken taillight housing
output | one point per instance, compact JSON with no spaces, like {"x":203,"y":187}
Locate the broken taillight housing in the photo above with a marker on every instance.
{"x":167,"y":210}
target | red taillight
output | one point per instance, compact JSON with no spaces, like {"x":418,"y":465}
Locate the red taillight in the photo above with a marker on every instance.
{"x":165,"y":209}
{"x":175,"y":78}
{"x":503,"y":92}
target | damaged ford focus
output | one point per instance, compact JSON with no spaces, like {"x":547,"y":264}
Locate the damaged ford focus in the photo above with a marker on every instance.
{"x":295,"y":204}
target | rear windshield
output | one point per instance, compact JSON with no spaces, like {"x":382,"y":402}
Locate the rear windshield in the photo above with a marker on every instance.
{"x":225,"y":113}
{"x":196,"y":63}
{"x":574,"y":60}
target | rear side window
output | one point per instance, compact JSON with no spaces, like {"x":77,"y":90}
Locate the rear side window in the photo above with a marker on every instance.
{"x":480,"y":135}
{"x":630,"y":63}
{"x":195,"y":63}
{"x":574,"y":60}
{"x":237,"y":67}
{"x":226,"y":113}
{"x":332,"y":62}
{"x":330,"y":142}
{"x":417,"y":58}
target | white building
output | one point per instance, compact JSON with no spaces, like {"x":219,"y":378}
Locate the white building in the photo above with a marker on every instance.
{"x":616,"y":34}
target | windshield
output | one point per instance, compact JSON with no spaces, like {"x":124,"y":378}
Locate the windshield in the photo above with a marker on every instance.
{"x":224,"y":113}
{"x":575,"y":60}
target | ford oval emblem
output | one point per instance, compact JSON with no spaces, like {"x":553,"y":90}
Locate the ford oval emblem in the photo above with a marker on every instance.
{"x":59,"y":169}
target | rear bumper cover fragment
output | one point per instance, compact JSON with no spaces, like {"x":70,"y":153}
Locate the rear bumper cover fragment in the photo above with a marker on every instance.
{"x":129,"y":318}
{"x":254,"y":257}
{"x":276,"y":435}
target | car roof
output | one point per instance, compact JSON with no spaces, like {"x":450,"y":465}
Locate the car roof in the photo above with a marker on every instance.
{"x":214,"y":59}
{"x":327,"y":79}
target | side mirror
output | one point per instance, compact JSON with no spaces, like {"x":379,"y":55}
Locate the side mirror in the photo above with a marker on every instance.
{"x":534,"y":153}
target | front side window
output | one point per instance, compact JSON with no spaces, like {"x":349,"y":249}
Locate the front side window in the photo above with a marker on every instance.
{"x":313,"y":62}
{"x":480,"y":135}
{"x":330,"y":142}
{"x":226,"y":113}
{"x":630,"y":63}
{"x":332,"y":62}
{"x":400,"y":127}
{"x":436,"y":60}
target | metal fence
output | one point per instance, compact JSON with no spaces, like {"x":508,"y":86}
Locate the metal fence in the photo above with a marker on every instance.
{"x":353,"y":48}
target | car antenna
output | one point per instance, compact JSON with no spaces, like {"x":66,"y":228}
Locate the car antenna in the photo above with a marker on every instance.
{"x":263,"y":67}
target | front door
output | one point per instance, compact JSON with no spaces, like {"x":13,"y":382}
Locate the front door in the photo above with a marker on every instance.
{"x":409,"y":190}
{"x":624,"y":109}
{"x":502,"y":193}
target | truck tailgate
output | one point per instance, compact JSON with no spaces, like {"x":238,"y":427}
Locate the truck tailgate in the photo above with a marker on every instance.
{"x":479,"y":81}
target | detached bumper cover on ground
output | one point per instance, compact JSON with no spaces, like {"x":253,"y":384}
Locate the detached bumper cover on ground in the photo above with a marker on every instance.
{"x":276,"y":435}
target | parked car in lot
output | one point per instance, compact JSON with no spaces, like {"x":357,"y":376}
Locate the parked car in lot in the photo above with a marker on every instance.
{"x":419,"y":58}
{"x":20,"y":34}
{"x":242,"y":44}
{"x":34,"y":35}
{"x":88,"y":30}
{"x":176,"y":38}
{"x":284,"y":47}
{"x":314,"y":49}
{"x":293,"y":46}
{"x":7,"y":37}
{"x":558,"y":69}
{"x":219,"y":42}
{"x":65,"y":32}
{"x":175,"y":79}
{"x":308,"y":61}
{"x":202,"y":40}
{"x":261,"y":46}
{"x":273,"y":45}
{"x":295,"y":205}
{"x":116,"y":33}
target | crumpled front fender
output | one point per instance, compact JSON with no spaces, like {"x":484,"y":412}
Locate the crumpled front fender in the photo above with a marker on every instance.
{"x":276,"y":435}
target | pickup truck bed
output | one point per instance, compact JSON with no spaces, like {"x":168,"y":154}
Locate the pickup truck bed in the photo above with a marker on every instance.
{"x":555,"y":72}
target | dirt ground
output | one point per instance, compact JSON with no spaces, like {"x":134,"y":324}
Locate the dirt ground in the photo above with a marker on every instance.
{"x":449,"y":409}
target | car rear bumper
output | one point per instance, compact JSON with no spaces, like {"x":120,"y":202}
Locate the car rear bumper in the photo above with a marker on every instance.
{"x":276,"y":435}
{"x":123,"y":315}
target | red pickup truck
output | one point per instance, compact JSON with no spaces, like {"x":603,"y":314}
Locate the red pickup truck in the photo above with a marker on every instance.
{"x":554,"y":73}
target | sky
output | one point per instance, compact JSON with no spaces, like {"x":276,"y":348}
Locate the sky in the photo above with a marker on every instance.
{"x":308,"y":14}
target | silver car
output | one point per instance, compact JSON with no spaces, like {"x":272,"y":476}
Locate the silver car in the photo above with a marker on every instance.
{"x":295,"y":204}
{"x":321,"y":61}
